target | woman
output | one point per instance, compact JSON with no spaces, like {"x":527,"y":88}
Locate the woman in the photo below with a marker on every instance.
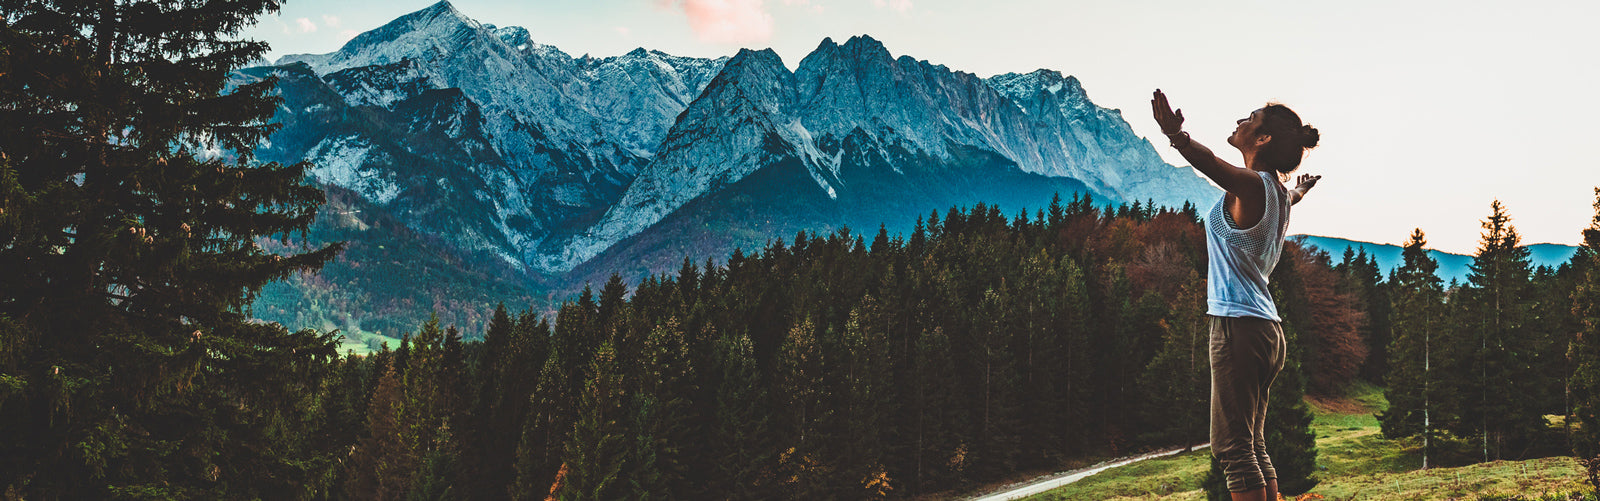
{"x":1244,"y":237}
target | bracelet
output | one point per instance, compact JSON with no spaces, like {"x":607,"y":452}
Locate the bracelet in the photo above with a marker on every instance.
{"x":1174,"y":140}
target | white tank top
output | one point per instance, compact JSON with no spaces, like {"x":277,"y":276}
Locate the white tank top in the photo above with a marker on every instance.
{"x":1241,"y":259}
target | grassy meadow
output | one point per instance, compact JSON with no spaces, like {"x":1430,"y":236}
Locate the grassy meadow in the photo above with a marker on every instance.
{"x":1354,"y":463}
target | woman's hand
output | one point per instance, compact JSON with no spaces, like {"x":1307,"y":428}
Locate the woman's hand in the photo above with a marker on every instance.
{"x":1171,"y":121}
{"x":1306,"y":181}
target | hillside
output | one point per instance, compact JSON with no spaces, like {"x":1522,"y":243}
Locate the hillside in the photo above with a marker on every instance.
{"x":1451,"y":266}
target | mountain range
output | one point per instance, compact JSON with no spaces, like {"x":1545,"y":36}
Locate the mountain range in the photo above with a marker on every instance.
{"x":486,"y":144}
{"x":1452,"y":267}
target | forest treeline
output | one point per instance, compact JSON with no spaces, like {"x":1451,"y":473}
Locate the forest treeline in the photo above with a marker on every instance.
{"x":1485,"y":369}
{"x":829,"y":366}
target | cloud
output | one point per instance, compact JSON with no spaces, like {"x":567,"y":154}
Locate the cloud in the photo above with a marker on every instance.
{"x":330,"y":21}
{"x":306,"y":26}
{"x":726,"y":21}
{"x":901,"y":6}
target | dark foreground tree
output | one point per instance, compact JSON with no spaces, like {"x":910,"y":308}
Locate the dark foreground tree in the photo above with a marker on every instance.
{"x":131,"y":218}
{"x":1584,"y":351}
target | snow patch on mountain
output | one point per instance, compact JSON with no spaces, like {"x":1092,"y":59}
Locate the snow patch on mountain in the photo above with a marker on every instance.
{"x":379,"y":85}
{"x":340,"y":160}
{"x":816,"y":162}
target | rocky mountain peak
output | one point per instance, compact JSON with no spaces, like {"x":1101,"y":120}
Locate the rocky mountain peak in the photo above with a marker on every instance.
{"x":760,"y":74}
{"x":857,"y":51}
{"x":1049,"y":82}
{"x":436,"y":28}
{"x":550,"y":160}
{"x":751,"y":58}
{"x":864,"y":45}
{"x":515,"y":36}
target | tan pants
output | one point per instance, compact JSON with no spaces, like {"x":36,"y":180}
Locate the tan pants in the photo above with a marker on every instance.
{"x":1246,"y":354}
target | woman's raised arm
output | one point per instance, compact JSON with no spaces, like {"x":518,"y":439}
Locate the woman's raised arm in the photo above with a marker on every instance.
{"x":1240,"y":182}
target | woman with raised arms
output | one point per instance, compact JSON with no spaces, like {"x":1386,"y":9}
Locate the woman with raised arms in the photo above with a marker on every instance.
{"x":1244,"y":238}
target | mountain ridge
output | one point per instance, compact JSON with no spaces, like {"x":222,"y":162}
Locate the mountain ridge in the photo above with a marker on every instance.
{"x":482,"y":137}
{"x":574,"y":136}
{"x":1452,"y":266}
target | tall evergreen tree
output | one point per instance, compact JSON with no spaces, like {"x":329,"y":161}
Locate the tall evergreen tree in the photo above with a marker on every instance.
{"x":130,"y":249}
{"x":802,"y":395}
{"x":866,"y":396}
{"x":1498,"y":347}
{"x":1417,"y":380}
{"x":1584,"y":352}
{"x":484,"y":451}
{"x":660,"y":410}
{"x":430,"y":408}
{"x":1176,"y":385}
{"x":596,"y":453}
{"x":381,"y":466}
{"x":740,"y":450}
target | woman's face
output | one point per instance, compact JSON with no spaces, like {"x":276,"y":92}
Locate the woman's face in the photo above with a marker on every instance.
{"x":1244,"y":136}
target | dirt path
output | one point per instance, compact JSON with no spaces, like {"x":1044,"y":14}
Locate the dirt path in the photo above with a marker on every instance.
{"x":1054,"y":480}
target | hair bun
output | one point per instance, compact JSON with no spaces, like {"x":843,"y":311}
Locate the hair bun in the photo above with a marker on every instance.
{"x":1309,"y":136}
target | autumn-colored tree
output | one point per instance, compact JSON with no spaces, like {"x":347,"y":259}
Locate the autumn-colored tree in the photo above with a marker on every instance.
{"x":1332,"y":323}
{"x":1363,"y":278}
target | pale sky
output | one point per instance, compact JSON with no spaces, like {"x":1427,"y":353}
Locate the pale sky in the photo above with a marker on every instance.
{"x":1428,"y":110}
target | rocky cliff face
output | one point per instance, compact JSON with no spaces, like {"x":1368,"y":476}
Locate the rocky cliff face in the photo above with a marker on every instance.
{"x":482,"y":137}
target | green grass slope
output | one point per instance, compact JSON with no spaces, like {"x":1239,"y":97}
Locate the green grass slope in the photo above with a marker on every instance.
{"x":1355,"y":462}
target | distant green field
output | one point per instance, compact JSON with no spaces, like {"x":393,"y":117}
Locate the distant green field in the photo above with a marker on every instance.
{"x":1356,"y":463}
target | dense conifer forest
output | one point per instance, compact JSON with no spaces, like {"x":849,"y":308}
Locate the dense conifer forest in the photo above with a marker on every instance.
{"x":832,"y":367}
{"x":826,"y":366}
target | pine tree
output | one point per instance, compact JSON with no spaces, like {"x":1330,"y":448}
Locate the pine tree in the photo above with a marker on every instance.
{"x":867,"y":390}
{"x":1175,"y":386}
{"x":740,"y":450}
{"x":1365,"y":281}
{"x":660,"y":410}
{"x":1498,"y":348}
{"x":133,"y":221}
{"x":553,"y":408}
{"x":1417,"y":380}
{"x":801,"y":394}
{"x":995,"y":367}
{"x":381,"y":466}
{"x":484,"y":450}
{"x":596,"y":453}
{"x":1584,"y":352}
